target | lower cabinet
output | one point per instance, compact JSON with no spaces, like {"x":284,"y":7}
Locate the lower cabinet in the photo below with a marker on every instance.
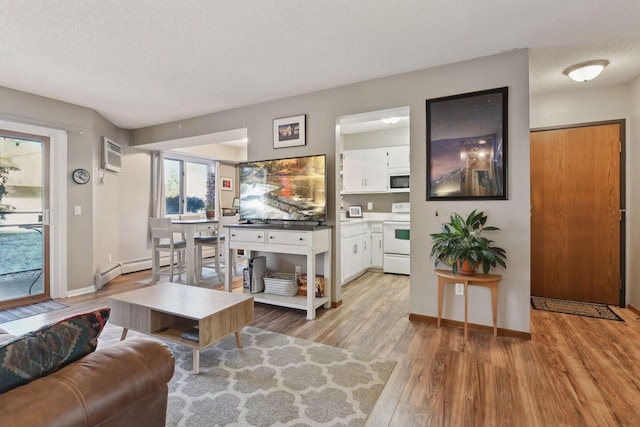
{"x":377,"y":250}
{"x":356,"y":250}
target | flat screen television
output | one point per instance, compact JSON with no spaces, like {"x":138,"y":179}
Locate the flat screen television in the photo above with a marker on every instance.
{"x":293,"y":189}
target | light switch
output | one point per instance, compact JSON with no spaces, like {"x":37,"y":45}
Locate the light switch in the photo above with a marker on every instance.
{"x":77,"y":210}
{"x":370,"y":205}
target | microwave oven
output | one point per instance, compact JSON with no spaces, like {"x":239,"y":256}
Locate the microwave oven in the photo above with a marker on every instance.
{"x":398,"y":182}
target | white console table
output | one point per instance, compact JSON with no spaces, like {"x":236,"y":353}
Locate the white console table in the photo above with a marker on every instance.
{"x":297,"y":240}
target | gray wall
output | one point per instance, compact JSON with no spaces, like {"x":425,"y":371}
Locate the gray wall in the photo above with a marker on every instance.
{"x":89,"y":237}
{"x":412,"y":89}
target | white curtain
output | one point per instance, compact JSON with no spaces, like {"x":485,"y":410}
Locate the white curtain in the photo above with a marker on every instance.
{"x":158,"y":209}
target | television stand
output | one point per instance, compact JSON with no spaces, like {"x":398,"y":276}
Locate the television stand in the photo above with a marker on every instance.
{"x":278,"y":239}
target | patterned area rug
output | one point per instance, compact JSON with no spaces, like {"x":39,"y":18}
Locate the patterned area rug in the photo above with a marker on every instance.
{"x":273,"y":380}
{"x":600,"y":311}
{"x":29,"y":310}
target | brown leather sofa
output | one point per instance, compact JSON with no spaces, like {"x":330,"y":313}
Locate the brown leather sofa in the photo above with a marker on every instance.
{"x":121,"y":385}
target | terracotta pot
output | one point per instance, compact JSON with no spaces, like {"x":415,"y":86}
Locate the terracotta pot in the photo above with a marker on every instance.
{"x":210,"y":214}
{"x":465,"y":268}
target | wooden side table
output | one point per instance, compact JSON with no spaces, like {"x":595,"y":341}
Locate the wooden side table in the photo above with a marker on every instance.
{"x":487,"y":280}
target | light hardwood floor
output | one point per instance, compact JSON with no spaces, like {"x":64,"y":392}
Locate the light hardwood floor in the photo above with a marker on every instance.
{"x":575,"y":371}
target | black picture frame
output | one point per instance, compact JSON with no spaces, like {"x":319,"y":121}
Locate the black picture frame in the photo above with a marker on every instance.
{"x":290,"y":131}
{"x":467,"y":146}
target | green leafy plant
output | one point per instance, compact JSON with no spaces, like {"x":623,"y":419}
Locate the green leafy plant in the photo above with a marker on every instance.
{"x":461,"y":240}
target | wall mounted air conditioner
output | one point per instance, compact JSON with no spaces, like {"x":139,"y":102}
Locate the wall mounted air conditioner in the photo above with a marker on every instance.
{"x":111,"y":155}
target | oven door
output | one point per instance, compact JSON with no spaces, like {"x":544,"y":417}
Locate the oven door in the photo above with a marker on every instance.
{"x":397,"y":237}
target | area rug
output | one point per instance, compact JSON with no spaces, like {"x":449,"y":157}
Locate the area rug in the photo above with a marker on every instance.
{"x":600,"y":311}
{"x":11,"y":314}
{"x":273,"y":380}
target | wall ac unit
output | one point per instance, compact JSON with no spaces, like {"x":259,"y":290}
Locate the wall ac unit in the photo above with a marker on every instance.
{"x":111,"y":155}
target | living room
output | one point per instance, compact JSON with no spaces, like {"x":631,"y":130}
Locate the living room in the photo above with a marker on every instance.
{"x":115,"y":213}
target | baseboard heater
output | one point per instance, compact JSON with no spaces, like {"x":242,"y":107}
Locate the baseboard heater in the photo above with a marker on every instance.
{"x":101,"y":279}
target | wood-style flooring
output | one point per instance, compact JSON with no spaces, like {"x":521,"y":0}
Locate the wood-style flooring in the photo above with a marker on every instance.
{"x":575,"y":371}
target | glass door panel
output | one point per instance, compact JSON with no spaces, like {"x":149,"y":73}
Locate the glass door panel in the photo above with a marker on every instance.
{"x":23,"y":214}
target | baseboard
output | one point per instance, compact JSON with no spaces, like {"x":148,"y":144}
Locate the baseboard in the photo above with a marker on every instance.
{"x":458,"y":324}
{"x":633,"y":309}
{"x":83,"y":291}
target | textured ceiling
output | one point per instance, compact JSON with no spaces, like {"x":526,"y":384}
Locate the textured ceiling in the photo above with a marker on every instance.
{"x":146,"y":62}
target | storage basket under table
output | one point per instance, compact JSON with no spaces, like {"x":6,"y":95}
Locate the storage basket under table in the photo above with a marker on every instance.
{"x":284,"y":284}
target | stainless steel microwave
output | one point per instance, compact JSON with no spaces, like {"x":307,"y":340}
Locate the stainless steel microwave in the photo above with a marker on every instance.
{"x":399,"y":182}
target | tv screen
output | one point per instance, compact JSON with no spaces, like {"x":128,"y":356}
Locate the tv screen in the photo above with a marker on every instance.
{"x":291,"y":189}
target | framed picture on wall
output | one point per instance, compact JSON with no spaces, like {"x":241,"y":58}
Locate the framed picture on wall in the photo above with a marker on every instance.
{"x":289,"y":131}
{"x":467,"y":146}
{"x":226,"y":184}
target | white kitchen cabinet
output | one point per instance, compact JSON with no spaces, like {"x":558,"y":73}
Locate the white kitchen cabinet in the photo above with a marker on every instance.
{"x":356,"y":255}
{"x":363,"y":171}
{"x":398,"y":159}
{"x":377,"y":251}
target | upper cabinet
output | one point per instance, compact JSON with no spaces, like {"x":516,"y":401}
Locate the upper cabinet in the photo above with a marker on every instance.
{"x":361,"y":171}
{"x":398,"y":159}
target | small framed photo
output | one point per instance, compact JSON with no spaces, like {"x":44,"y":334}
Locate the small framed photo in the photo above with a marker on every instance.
{"x":355,"y":211}
{"x":289,"y":131}
{"x":226,"y":184}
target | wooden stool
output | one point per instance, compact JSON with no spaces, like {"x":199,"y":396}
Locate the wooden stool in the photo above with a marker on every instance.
{"x":487,"y":280}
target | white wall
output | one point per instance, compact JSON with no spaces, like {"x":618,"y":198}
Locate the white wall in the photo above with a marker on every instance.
{"x":595,"y":105}
{"x":410,"y":89}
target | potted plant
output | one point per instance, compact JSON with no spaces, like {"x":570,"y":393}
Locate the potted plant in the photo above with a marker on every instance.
{"x":210,"y":197}
{"x":462,"y":246}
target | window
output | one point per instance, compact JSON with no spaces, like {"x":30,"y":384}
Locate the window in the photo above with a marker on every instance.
{"x":185,"y":182}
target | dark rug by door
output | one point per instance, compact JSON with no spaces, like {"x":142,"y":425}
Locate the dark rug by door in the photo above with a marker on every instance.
{"x":589,"y":309}
{"x":29,"y":310}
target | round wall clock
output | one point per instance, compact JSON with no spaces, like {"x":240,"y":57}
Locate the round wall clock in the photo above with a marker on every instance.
{"x":81,"y":176}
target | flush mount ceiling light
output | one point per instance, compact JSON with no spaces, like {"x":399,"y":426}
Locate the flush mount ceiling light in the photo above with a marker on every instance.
{"x":391,"y":120}
{"x":586,"y":71}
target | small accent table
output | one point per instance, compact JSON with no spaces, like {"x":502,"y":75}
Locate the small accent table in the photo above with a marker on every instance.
{"x":487,"y":280}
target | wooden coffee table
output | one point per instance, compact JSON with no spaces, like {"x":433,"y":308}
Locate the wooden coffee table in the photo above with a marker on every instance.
{"x":166,"y":310}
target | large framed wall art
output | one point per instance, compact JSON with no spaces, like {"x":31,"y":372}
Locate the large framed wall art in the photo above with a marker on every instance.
{"x":467,"y":146}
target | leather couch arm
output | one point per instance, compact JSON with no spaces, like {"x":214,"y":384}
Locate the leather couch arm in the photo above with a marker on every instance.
{"x":95,"y":388}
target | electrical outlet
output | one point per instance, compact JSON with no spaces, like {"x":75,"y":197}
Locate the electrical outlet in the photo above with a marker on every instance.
{"x":109,"y":257}
{"x":459,"y":289}
{"x":297,"y":269}
{"x":370,"y":206}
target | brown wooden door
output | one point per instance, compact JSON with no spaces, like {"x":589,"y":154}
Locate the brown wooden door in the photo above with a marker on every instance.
{"x":577,"y":213}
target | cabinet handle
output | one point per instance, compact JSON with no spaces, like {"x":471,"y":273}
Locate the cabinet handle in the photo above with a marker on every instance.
{"x":271,"y":237}
{"x":365,"y":245}
{"x":355,"y":249}
{"x":259,"y":237}
{"x":233,"y":235}
{"x":301,"y":239}
{"x":380,"y":244}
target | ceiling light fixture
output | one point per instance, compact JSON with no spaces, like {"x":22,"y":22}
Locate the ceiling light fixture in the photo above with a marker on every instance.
{"x":586,"y":71}
{"x":391,"y":120}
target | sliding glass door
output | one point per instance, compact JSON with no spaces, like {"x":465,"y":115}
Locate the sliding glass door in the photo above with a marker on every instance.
{"x":24,"y":225}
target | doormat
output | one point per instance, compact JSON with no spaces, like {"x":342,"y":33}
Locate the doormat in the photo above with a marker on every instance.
{"x":588,"y":309}
{"x":11,"y":314}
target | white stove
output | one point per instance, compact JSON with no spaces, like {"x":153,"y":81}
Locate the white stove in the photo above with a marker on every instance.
{"x":397,"y":233}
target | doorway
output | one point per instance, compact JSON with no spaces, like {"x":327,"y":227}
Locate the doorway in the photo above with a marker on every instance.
{"x":577,"y":212}
{"x":24,"y":225}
